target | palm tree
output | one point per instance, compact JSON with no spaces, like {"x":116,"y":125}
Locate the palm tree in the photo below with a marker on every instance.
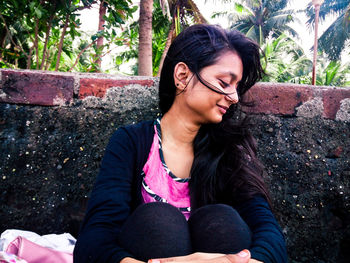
{"x":182,"y":13}
{"x":285,"y":60}
{"x":334,"y":39}
{"x":259,"y":19}
{"x":169,"y":18}
{"x":145,"y":38}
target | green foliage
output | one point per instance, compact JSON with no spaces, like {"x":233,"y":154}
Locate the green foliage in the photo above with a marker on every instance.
{"x":160,"y":27}
{"x":334,"y":39}
{"x":167,"y":14}
{"x":332,"y":73}
{"x":37,"y":34}
{"x":285,"y":61}
{"x":259,"y":19}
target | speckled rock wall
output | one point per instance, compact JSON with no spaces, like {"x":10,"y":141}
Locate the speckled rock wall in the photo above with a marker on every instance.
{"x":54,"y":128}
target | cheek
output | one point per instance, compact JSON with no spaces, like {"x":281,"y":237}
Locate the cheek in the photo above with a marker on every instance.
{"x":203,"y":102}
{"x":202,"y":98}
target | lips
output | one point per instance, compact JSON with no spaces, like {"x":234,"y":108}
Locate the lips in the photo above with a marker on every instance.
{"x":222,"y":109}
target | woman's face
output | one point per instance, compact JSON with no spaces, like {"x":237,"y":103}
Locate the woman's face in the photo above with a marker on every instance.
{"x":203,"y":103}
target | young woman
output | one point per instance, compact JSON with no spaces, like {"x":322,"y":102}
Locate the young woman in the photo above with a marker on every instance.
{"x":187,"y":187}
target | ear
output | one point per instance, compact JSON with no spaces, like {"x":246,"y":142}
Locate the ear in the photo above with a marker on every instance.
{"x":182,"y":75}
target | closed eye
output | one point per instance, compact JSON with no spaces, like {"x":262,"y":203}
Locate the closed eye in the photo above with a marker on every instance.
{"x":223,"y":83}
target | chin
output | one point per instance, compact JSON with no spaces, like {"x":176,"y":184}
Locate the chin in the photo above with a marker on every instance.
{"x":216,"y":119}
{"x":212,"y":118}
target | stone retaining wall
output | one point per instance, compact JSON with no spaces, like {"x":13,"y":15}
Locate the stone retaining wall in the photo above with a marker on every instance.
{"x":54,"y":128}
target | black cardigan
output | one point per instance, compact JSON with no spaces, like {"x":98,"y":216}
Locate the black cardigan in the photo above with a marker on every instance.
{"x":117,"y":192}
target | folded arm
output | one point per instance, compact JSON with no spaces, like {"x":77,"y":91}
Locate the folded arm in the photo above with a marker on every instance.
{"x":268,"y":243}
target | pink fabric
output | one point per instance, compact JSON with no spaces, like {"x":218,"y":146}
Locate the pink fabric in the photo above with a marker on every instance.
{"x":10,"y":258}
{"x":34,"y":253}
{"x":161,"y":183}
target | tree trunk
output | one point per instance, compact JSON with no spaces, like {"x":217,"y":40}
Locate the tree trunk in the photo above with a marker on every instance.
{"x":166,"y":48}
{"x":60,"y":45}
{"x":99,"y":44}
{"x":48,"y":61}
{"x":145,"y":38}
{"x":3,"y":34}
{"x":29,"y":57}
{"x":47,"y":37}
{"x":36,"y":42}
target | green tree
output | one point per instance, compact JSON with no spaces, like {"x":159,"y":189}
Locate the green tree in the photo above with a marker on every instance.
{"x":334,"y":39}
{"x":181,"y":14}
{"x":39,"y":35}
{"x":332,"y":73}
{"x":259,"y":19}
{"x":160,"y":29}
{"x":30,"y":28}
{"x":112,"y":14}
{"x":168,"y":19}
{"x":285,"y":61}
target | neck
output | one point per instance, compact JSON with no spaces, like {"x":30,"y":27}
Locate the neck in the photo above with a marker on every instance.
{"x":178,"y":129}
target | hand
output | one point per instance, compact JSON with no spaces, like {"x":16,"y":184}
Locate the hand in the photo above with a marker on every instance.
{"x":241,"y":257}
{"x":130,"y":260}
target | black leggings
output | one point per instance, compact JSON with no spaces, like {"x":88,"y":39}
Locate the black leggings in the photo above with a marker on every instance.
{"x":159,"y":230}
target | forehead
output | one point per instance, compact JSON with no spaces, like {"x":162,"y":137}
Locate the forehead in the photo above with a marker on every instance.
{"x":228,"y":63}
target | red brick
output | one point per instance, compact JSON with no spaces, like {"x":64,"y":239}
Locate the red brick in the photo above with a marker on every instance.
{"x":277,"y":98}
{"x":99,"y":87}
{"x":331,"y":100}
{"x":36,"y":88}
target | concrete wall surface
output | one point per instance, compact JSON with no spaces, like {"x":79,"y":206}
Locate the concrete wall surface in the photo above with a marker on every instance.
{"x":54,"y":128}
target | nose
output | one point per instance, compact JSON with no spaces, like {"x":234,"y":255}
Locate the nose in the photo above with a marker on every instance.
{"x":232,"y":98}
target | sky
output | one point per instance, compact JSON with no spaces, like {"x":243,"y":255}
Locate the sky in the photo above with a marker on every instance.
{"x":89,"y":19}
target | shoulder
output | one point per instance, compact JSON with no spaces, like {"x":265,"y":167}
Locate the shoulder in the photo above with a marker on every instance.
{"x":139,"y":128}
{"x":134,"y":131}
{"x":134,"y":136}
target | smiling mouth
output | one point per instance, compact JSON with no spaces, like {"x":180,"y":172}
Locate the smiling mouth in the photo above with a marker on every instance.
{"x":222,"y":109}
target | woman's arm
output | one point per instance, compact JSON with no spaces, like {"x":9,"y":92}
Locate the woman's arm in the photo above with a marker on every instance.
{"x":268,"y":243}
{"x":130,"y":260}
{"x":109,"y":204}
{"x":199,"y":257}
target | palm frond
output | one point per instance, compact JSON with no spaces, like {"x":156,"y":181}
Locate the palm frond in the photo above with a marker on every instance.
{"x":265,"y":16}
{"x":194,"y":10}
{"x":333,"y":40}
{"x":220,"y":14}
{"x":164,"y":4}
{"x":329,"y":7}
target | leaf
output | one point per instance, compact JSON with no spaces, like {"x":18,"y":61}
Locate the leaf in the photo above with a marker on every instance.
{"x":94,"y":37}
{"x":118,"y":60}
{"x":32,"y":5}
{"x":117,"y":17}
{"x":238,"y":8}
{"x":38,"y":13}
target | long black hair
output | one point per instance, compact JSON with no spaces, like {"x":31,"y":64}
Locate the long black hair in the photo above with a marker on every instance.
{"x":225,"y":168}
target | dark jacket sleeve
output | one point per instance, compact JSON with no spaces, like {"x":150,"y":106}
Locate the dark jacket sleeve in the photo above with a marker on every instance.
{"x":268,"y":241}
{"x":109,"y":203}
